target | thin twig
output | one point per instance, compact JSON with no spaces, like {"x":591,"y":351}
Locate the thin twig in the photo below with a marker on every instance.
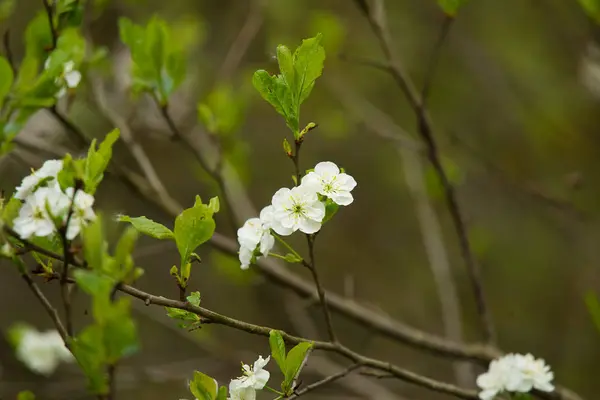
{"x":52,"y":312}
{"x":433,"y":61}
{"x":240,"y":45}
{"x":50,"y":13}
{"x":376,"y":18}
{"x":324,"y":381}
{"x":8,"y":51}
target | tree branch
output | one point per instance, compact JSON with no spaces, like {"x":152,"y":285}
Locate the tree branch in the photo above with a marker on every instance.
{"x":376,"y":18}
{"x":323,"y":382}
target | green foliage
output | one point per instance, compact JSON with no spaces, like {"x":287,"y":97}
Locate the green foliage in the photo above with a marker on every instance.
{"x":118,"y":268}
{"x":148,"y":227}
{"x":6,"y":79}
{"x":295,"y":360}
{"x":592,"y":8}
{"x":97,"y":161}
{"x":203,"y":387}
{"x":38,"y":36}
{"x":223,"y":110}
{"x":10,"y":210}
{"x":593,"y":306}
{"x":298,"y":73}
{"x":193,"y":227}
{"x":331,"y":208}
{"x":113,"y":334}
{"x":26,"y":395}
{"x":158,"y":66}
{"x":277,"y":348}
{"x":451,"y":7}
{"x":16,"y":331}
{"x":290,"y":364}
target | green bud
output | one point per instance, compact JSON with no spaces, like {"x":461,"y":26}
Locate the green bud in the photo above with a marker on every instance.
{"x":287,"y":148}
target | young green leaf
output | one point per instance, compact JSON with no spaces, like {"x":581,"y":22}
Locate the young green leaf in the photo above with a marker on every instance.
{"x":277,"y":349}
{"x":88,"y":349}
{"x":203,"y":386}
{"x":292,"y":258}
{"x":309,"y":59}
{"x":274,"y":89}
{"x":123,"y":260}
{"x":450,"y":7}
{"x":148,"y":227}
{"x":120,"y":333}
{"x":294,"y":363}
{"x":26,"y":395}
{"x":222,"y":395}
{"x":97,"y":161}
{"x":6,"y":79}
{"x":193,"y":227}
{"x":194,"y":298}
{"x":94,"y":246}
{"x":10,"y":211}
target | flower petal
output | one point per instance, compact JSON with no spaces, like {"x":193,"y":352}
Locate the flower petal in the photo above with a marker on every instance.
{"x":327,"y":169}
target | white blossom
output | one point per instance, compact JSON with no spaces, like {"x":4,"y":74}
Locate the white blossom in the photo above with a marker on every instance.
{"x":298,"y":208}
{"x":48,"y":172}
{"x":515,"y":373}
{"x":68,"y":79}
{"x":83,"y":212}
{"x":35,"y":217}
{"x":267,"y":217}
{"x":532,"y":373}
{"x":254,"y":234}
{"x":237,"y":391}
{"x":42,"y":352}
{"x":327,"y":180}
{"x":254,"y":377}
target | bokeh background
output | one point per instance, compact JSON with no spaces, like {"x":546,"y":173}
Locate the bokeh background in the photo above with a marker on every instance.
{"x":515,"y":102}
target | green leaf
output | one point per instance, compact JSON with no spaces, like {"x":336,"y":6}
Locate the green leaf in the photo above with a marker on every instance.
{"x":16,"y":332}
{"x":26,"y":395}
{"x":294,"y":362}
{"x":593,"y":306}
{"x":6,"y":79}
{"x":97,"y":161}
{"x":94,"y":246}
{"x":203,"y":386}
{"x":120,"y":333}
{"x":214,"y":204}
{"x":286,"y":66}
{"x":194,"y":298}
{"x":193,"y":227}
{"x":10,"y":210}
{"x":309,"y":59}
{"x":275,"y":90}
{"x":148,"y":227}
{"x":222,"y":395}
{"x":331,"y":208}
{"x":88,"y":349}
{"x":450,"y":7}
{"x":38,"y":37}
{"x":277,"y":349}
{"x":123,"y":260}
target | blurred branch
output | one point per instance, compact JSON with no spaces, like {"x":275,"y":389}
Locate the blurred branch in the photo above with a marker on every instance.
{"x":242,"y":42}
{"x":375,"y":14}
{"x":431,"y":231}
{"x":433,"y":61}
{"x":304,"y":325}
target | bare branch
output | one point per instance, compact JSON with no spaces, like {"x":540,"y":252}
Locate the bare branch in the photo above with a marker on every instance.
{"x":325,"y":381}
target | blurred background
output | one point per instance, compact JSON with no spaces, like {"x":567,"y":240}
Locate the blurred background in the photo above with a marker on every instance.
{"x":515,"y":102}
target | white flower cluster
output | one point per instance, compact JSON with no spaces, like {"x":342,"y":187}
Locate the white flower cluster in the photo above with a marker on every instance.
{"x":515,"y":373}
{"x":69,"y":78}
{"x":42,"y":352}
{"x":254,"y":378}
{"x":45,"y":204}
{"x":299,"y":208}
